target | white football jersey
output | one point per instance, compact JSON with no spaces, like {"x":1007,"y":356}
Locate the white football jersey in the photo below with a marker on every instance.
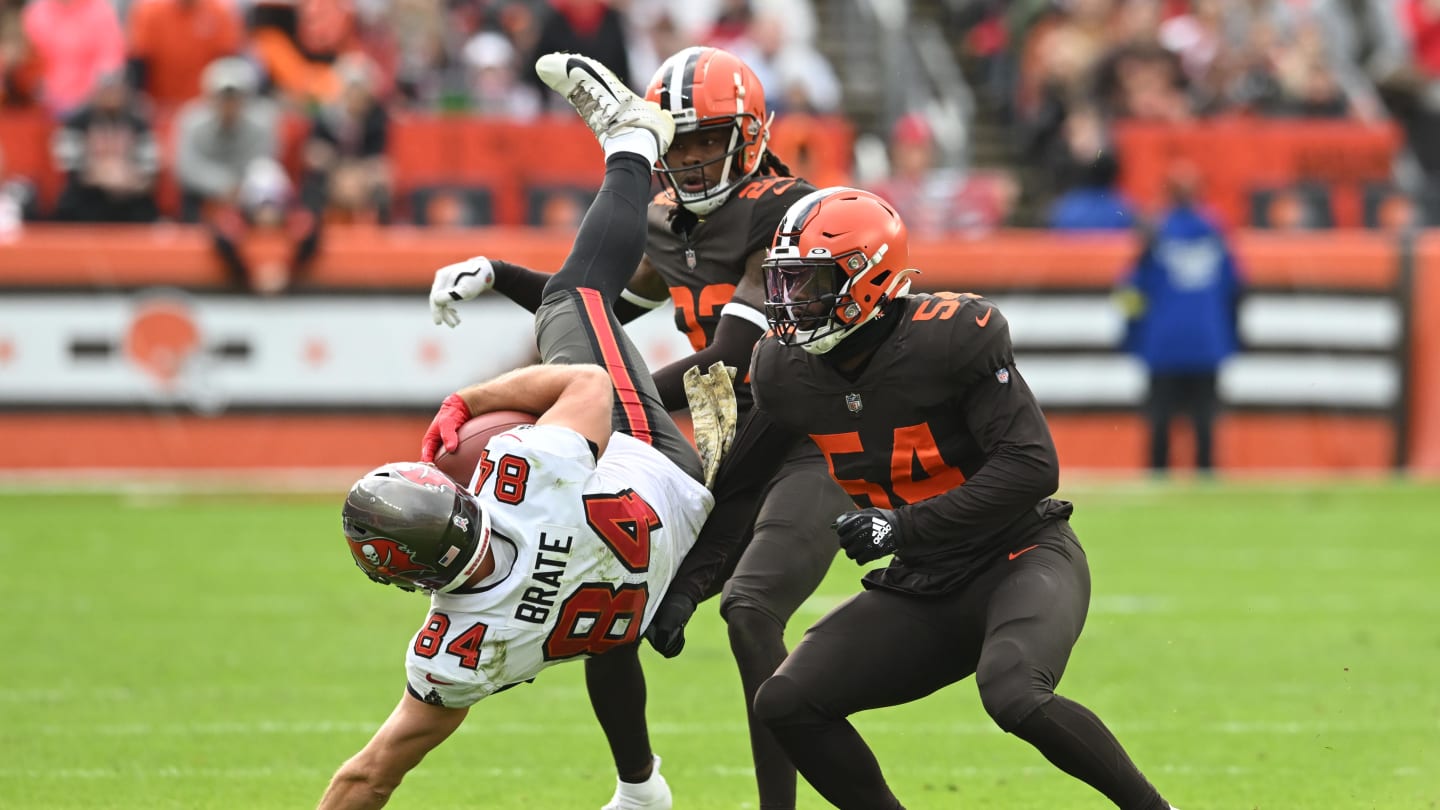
{"x":584,"y":553}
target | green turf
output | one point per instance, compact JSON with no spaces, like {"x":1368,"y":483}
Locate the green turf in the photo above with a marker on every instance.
{"x":1254,"y":646}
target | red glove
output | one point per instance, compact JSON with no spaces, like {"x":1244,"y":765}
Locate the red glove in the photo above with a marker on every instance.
{"x":453,"y":413}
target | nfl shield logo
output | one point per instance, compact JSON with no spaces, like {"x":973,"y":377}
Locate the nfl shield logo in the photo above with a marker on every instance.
{"x":853,"y":403}
{"x":1003,"y":375}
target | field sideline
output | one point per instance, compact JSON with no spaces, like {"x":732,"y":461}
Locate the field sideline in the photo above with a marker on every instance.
{"x":1256,"y":646}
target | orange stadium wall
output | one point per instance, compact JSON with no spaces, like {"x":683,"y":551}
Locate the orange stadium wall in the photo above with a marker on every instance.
{"x":1245,"y":165}
{"x":80,"y":261}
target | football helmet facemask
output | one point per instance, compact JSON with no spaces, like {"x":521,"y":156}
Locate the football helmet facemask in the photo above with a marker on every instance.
{"x":705,"y":88}
{"x":412,"y":526}
{"x":838,"y":258}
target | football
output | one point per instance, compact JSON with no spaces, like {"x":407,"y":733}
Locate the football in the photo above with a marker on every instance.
{"x":473,"y":436}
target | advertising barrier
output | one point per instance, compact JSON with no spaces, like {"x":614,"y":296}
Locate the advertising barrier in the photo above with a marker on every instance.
{"x":124,"y":348}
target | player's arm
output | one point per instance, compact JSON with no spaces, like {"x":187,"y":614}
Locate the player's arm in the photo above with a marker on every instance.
{"x":738,"y":495}
{"x":1021,"y":466}
{"x":742,"y":322}
{"x":463,"y":281}
{"x":578,"y":397}
{"x":413,"y":730}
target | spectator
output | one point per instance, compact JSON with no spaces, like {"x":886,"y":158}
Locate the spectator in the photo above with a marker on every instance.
{"x":17,"y":201}
{"x":936,"y":201}
{"x":792,"y":70}
{"x":1181,"y":301}
{"x":77,"y":42}
{"x":267,"y":238}
{"x":347,"y":174}
{"x":230,"y":179}
{"x":109,"y":158}
{"x":220,"y":134}
{"x":1090,"y":173}
{"x":1309,"y":87}
{"x":19,"y":66}
{"x":493,"y":81}
{"x":589,"y":27}
{"x":419,"y":33}
{"x":297,"y":43}
{"x":171,"y":42}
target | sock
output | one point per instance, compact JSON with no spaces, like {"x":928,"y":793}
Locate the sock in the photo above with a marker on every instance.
{"x":758,"y":643}
{"x":639,"y":141}
{"x":616,"y":685}
{"x":1076,"y":742}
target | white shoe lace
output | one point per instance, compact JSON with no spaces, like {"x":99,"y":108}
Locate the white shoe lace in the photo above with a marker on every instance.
{"x":595,"y":104}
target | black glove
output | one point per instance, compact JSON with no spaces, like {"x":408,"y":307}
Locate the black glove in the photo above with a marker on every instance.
{"x":666,"y":632}
{"x":868,"y":534}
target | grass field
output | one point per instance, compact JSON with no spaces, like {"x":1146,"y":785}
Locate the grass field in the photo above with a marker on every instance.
{"x":1254,"y":646}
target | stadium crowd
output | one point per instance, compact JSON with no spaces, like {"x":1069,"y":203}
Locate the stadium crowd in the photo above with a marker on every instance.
{"x":288,"y":104}
{"x":138,"y":89}
{"x":1065,"y":72}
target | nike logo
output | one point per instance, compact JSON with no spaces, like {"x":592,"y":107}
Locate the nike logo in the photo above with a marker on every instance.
{"x":433,"y":679}
{"x":581,"y":64}
{"x":980,"y":322}
{"x":1013,"y":554}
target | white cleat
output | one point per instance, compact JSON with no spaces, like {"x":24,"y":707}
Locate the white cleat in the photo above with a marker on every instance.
{"x":652,"y":794}
{"x":603,"y":101}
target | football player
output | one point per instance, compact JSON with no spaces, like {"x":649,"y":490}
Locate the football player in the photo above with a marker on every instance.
{"x":916,"y":403}
{"x":724,"y":194}
{"x":569,"y":532}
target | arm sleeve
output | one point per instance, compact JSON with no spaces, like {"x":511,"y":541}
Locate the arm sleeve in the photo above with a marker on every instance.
{"x":1021,"y":466}
{"x":734,"y":339}
{"x":760,"y":447}
{"x":526,"y":287}
{"x":520,"y":284}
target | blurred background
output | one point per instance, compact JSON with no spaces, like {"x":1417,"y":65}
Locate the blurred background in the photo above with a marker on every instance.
{"x":219,"y":218}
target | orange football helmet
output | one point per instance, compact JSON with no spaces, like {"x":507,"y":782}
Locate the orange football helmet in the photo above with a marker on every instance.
{"x":838,"y":258}
{"x":704,"y":87}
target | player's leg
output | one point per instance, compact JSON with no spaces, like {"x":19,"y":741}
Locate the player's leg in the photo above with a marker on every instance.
{"x":877,"y":649}
{"x":790,"y":553}
{"x":575,"y":323}
{"x":1036,"y":608}
{"x":616,"y":686}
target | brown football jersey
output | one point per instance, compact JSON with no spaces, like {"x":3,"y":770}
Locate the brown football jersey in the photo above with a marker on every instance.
{"x":938,"y":424}
{"x":702,"y":267}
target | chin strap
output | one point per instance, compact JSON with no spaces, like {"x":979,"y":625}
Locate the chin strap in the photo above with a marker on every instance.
{"x":899,"y":286}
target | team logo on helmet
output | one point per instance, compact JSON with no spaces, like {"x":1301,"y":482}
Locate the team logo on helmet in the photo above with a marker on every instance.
{"x":386,"y":558}
{"x":425,"y":475}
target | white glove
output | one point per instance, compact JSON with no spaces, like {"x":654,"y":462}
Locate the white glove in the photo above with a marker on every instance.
{"x":456,"y":282}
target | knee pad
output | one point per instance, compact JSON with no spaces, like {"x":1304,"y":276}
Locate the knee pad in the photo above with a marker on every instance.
{"x":1010,"y":688}
{"x":780,"y":702}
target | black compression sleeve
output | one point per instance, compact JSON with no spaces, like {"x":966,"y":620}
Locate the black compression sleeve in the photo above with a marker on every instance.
{"x":520,"y":284}
{"x":526,"y":287}
{"x":734,"y":341}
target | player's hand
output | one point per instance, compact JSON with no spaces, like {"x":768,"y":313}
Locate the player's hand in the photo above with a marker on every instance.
{"x":444,"y":428}
{"x":458,"y":282}
{"x":666,"y":632}
{"x":868,"y":534}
